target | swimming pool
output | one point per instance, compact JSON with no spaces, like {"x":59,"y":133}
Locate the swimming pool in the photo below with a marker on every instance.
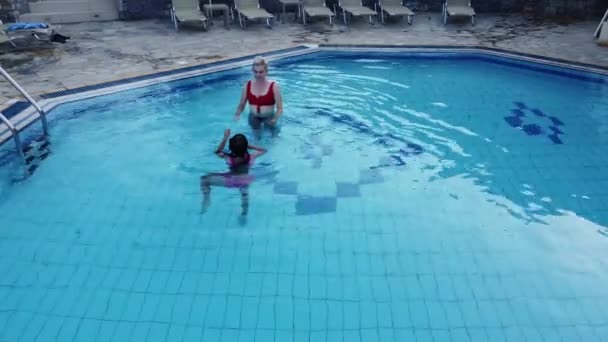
{"x":408,"y":196}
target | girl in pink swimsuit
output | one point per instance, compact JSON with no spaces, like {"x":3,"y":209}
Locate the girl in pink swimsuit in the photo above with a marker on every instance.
{"x":239,"y":160}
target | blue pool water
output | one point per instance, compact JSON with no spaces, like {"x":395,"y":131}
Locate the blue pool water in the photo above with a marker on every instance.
{"x":404,"y":198}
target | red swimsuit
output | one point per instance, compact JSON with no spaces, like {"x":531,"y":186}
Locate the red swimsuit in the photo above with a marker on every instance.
{"x":261,"y":100}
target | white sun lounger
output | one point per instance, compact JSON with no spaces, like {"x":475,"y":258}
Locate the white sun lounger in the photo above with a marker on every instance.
{"x":316,"y":8}
{"x":394,"y":8}
{"x":603,"y":39}
{"x":285,"y":3}
{"x":251,"y":10}
{"x":458,"y":8}
{"x":42,"y":34}
{"x":4,"y":38}
{"x":601,"y":33}
{"x":187,"y":11}
{"x":356,"y":9}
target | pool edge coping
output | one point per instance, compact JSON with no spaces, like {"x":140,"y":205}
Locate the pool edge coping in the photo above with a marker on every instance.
{"x":49,"y":100}
{"x":590,"y":67}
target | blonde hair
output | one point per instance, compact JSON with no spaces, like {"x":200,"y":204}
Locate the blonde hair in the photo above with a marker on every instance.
{"x":260,"y":61}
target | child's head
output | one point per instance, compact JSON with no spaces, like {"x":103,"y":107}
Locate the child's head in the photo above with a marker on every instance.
{"x":238,"y":145}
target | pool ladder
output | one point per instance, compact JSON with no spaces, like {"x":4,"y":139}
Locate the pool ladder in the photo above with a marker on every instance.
{"x":41,"y":145}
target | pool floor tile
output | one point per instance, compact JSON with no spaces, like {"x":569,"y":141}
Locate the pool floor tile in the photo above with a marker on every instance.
{"x":310,"y":205}
{"x":370,"y":176}
{"x":344,"y":189}
{"x":286,"y":188}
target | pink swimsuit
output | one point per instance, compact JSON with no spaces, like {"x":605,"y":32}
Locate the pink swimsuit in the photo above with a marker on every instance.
{"x":232,"y":180}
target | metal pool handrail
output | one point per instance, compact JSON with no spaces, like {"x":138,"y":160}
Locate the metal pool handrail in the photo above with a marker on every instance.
{"x":45,"y":127}
{"x":15,"y":134}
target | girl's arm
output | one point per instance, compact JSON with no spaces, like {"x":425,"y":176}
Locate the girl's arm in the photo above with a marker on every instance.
{"x":220,"y":148}
{"x":258,"y":151}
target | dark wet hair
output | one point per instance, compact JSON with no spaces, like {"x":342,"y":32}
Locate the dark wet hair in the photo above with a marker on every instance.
{"x":238,"y":145}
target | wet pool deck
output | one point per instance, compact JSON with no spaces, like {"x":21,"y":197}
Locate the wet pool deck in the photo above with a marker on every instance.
{"x":105,"y":51}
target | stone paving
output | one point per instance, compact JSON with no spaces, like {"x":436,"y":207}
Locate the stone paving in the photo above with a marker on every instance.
{"x":106,"y":51}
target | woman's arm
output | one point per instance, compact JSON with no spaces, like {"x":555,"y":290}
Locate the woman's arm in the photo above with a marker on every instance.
{"x":220,"y":148}
{"x":279,"y":102}
{"x":242,"y":102}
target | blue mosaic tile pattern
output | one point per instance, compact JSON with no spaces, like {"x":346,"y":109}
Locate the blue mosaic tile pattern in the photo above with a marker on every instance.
{"x":518,"y":119}
{"x":514,"y":121}
{"x":555,"y":138}
{"x":538,"y":112}
{"x":308,"y":204}
{"x":556,"y":121}
{"x":532,"y":129}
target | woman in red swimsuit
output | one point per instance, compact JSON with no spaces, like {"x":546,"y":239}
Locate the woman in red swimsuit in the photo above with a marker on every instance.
{"x":262,"y":95}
